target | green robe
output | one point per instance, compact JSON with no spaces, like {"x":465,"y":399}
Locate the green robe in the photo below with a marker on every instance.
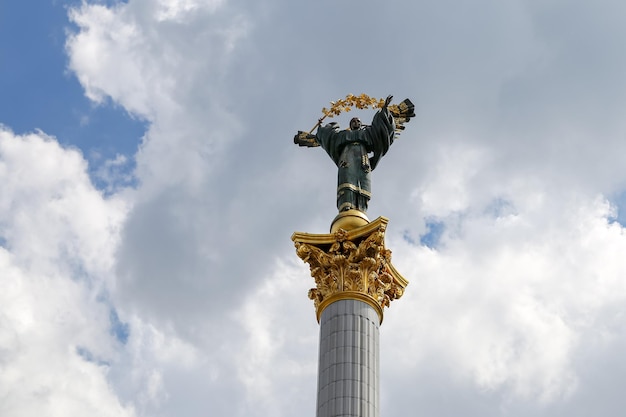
{"x":349,"y":150}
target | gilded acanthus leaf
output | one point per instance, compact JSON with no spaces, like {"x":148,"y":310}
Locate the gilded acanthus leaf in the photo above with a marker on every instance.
{"x":346,"y":265}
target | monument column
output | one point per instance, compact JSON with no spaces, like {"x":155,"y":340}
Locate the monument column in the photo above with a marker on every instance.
{"x":354,"y":278}
{"x":354,"y":281}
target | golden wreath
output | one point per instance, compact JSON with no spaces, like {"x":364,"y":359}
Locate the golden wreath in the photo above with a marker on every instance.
{"x":362,"y":101}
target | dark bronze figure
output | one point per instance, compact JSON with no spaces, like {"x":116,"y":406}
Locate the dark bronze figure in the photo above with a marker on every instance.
{"x":357,"y":150}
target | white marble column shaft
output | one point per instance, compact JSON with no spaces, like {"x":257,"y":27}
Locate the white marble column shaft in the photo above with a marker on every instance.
{"x":348,"y":376}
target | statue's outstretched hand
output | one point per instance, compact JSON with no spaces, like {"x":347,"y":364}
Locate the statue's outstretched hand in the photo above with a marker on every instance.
{"x":305,"y":139}
{"x":387,"y":101}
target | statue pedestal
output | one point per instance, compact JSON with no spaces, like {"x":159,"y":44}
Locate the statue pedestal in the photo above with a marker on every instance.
{"x":349,"y":220}
{"x":354,"y":280}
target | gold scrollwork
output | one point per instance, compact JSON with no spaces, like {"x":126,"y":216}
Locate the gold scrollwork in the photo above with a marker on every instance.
{"x":351,"y":265}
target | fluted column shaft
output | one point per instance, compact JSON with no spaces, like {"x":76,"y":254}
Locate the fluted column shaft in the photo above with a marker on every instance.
{"x":348,"y":376}
{"x":354,"y":282}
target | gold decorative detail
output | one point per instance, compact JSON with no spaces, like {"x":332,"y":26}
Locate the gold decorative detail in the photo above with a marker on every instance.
{"x":351,"y":264}
{"x":354,"y":188}
{"x":348,"y":220}
{"x":362,"y":101}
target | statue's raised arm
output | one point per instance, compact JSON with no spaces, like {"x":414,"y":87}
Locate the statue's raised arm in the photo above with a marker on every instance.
{"x":350,"y":149}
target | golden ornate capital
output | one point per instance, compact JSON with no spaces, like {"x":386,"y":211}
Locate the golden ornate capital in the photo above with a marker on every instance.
{"x":351,"y":264}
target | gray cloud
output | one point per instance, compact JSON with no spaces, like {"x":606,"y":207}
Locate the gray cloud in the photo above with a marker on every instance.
{"x":515,"y":154}
{"x":218,"y":173}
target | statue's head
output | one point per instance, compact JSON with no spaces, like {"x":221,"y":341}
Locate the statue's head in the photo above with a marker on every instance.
{"x":355,"y":123}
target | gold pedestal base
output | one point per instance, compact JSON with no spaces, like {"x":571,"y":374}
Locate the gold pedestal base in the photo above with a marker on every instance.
{"x":349,"y":220}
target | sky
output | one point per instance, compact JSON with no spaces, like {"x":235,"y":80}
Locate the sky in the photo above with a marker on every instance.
{"x":150,"y":187}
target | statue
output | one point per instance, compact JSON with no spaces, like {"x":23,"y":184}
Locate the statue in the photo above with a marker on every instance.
{"x":356,"y":151}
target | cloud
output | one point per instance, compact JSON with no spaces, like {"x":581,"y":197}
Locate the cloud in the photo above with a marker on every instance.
{"x":58,"y":236}
{"x":515,"y":154}
{"x":138,"y":54}
{"x":510,"y":302}
{"x":134,"y":53}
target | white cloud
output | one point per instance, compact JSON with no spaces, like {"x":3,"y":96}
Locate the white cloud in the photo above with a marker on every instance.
{"x":510,"y":301}
{"x":277,"y":362}
{"x":515,"y":151}
{"x":148,"y":55}
{"x":58,"y":237}
{"x":163,"y":61}
{"x":52,"y":216}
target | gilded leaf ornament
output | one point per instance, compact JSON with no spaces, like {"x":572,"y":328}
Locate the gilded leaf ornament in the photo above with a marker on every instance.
{"x":351,"y":265}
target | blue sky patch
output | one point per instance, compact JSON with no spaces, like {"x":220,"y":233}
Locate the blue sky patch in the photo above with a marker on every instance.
{"x":40,"y":93}
{"x":619,"y":202}
{"x":87,"y":355}
{"x":406,"y":235}
{"x":119,"y":329}
{"x":500,"y":207}
{"x":434,"y":231}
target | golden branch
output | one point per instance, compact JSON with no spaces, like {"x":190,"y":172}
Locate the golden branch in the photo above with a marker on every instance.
{"x":362,"y":101}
